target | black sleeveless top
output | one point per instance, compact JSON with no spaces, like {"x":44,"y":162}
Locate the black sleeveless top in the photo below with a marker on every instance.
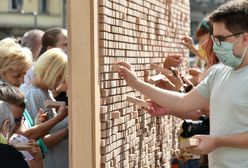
{"x":10,"y":157}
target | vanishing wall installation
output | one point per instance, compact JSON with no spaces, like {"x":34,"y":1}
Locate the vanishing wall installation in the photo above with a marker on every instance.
{"x":141,"y":32}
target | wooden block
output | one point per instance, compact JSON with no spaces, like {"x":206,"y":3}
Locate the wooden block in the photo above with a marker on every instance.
{"x":115,"y":114}
{"x":137,"y":101}
{"x":135,"y":114}
{"x":103,"y":109}
{"x":116,"y":68}
{"x":21,"y":146}
{"x":156,"y":79}
{"x":162,"y":70}
{"x":189,"y":142}
{"x":159,"y":155}
{"x":53,"y":104}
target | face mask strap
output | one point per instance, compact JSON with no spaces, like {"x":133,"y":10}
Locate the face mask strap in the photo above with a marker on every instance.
{"x":236,"y":41}
{"x":244,"y":52}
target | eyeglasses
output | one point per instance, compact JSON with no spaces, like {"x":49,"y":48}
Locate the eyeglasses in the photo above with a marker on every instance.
{"x":218,"y":40}
{"x":18,"y":120}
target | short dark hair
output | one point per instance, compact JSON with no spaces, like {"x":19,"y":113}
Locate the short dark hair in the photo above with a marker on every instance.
{"x":29,"y":38}
{"x":233,"y":14}
{"x":50,"y":38}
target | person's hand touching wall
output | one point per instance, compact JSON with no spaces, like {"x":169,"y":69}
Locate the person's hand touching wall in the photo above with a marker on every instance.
{"x":172,"y":61}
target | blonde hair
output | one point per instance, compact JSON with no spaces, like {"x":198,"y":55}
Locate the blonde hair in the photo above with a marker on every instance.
{"x":14,"y":57}
{"x":51,"y":67}
{"x":8,"y":42}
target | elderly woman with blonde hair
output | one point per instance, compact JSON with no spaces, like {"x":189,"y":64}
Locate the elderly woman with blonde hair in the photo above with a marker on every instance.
{"x":50,"y":70}
{"x":14,"y":61}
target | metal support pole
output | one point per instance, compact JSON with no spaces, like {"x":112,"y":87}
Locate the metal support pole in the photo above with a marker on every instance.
{"x":35,"y":19}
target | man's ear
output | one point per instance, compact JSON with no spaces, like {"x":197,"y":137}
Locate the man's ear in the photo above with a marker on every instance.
{"x":5,"y":128}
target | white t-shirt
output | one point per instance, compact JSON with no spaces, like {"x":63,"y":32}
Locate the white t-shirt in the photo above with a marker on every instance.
{"x":227,"y":90}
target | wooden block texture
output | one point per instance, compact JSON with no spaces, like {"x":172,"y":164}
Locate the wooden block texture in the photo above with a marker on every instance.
{"x":137,"y":101}
{"x":143,"y":33}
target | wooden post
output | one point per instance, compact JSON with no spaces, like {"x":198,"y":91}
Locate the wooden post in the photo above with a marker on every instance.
{"x":84,"y":94}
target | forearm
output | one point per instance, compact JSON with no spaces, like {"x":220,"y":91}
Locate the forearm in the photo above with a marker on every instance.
{"x":42,"y":129}
{"x":172,"y":100}
{"x":235,"y":141}
{"x":165,"y":98}
{"x":36,"y":163}
{"x":193,"y":115}
{"x":52,"y":140}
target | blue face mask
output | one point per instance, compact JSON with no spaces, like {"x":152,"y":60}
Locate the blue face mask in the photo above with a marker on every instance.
{"x":225,"y":54}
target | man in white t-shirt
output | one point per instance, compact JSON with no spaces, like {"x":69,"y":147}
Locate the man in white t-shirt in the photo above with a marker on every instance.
{"x":225,"y":90}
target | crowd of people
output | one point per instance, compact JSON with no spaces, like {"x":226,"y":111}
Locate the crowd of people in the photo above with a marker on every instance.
{"x":31,"y":72}
{"x":36,"y":70}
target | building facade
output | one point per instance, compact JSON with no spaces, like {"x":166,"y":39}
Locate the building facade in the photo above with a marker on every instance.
{"x":200,"y":9}
{"x":18,"y":16}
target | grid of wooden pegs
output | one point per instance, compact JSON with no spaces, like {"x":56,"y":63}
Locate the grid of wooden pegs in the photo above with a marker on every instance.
{"x":141,"y":32}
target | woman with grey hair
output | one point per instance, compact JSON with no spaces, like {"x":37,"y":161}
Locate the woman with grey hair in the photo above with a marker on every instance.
{"x":9,"y":156}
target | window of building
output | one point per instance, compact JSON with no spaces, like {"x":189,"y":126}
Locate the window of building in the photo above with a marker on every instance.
{"x":43,"y":6}
{"x":16,"y":5}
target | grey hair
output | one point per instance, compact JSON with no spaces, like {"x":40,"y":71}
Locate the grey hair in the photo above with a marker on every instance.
{"x":6,"y":114}
{"x":30,"y":37}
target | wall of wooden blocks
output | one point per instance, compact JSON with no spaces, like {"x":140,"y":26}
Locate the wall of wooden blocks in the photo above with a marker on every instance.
{"x":141,"y":32}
